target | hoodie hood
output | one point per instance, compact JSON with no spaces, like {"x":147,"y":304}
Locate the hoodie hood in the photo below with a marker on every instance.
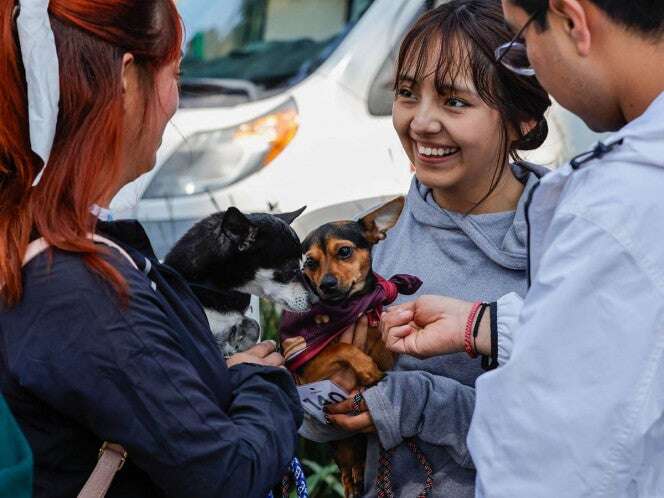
{"x":511,"y":251}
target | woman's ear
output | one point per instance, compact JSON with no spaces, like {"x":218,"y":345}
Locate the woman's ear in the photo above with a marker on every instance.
{"x":128,"y":72}
{"x":131,"y":85}
{"x":533,"y":135}
{"x":129,"y":79}
{"x":528,"y":126}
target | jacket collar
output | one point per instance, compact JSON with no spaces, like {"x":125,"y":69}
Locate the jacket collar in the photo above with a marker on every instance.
{"x":643,"y":135}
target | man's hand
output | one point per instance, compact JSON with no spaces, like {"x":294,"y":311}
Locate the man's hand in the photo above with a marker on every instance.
{"x":264,"y":353}
{"x":431,"y":325}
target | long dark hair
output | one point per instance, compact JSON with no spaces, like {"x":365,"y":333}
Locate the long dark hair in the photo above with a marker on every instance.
{"x":465,"y":34}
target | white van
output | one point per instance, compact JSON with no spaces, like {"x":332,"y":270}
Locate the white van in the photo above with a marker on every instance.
{"x":287,"y":103}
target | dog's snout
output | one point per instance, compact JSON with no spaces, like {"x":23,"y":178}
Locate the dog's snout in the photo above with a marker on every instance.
{"x":328,"y":282}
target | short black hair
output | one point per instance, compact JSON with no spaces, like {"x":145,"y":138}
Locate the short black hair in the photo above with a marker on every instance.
{"x":644,"y":16}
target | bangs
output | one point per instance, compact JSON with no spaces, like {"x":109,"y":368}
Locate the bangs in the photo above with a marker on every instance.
{"x":444,"y":48}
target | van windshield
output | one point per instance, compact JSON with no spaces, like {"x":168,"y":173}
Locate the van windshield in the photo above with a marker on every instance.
{"x":249,"y":49}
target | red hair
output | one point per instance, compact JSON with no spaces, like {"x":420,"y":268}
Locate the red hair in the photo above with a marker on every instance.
{"x":85,"y":164}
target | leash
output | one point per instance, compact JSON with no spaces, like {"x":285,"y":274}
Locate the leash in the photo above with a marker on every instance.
{"x":295,"y":475}
{"x":384,"y":488}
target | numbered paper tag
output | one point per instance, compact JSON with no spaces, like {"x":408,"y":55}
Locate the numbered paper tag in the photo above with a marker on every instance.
{"x":318,"y":394}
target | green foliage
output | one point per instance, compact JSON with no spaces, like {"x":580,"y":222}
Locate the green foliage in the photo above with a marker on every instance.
{"x":323,"y":479}
{"x":270,"y":316}
{"x":321,"y":471}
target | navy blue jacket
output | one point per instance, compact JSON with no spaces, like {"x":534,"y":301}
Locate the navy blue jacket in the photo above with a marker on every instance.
{"x":77,"y":368}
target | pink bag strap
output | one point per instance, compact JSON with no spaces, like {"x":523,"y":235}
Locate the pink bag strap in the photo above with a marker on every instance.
{"x":111,"y":459}
{"x":38,"y":246}
{"x":111,"y":456}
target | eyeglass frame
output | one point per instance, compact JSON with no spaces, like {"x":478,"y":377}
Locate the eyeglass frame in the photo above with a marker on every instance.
{"x":503,"y":49}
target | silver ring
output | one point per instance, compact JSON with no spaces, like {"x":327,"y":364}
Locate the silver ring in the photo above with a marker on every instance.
{"x":357,"y":400}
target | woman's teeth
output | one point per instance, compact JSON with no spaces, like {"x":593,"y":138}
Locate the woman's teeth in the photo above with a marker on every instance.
{"x":436,"y":151}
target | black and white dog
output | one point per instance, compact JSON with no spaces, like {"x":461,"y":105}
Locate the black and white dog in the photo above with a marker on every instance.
{"x":228,"y":256}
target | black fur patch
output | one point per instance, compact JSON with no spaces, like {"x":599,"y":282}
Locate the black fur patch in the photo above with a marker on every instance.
{"x":206,"y":255}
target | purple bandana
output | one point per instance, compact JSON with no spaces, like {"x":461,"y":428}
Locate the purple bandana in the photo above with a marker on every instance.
{"x":304,"y":335}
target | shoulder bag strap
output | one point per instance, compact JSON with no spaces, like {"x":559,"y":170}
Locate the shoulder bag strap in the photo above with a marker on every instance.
{"x":111,"y":456}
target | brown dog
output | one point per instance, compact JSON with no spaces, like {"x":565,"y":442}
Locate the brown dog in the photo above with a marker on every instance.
{"x":338,"y":267}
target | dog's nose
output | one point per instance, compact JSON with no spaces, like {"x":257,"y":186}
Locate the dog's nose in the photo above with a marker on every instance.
{"x":328,"y":283}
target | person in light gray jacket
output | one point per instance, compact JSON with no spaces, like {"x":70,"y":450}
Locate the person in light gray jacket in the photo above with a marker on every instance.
{"x":460,"y":117}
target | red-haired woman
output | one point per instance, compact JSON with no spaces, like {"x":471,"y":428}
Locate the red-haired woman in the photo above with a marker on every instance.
{"x":98,"y":342}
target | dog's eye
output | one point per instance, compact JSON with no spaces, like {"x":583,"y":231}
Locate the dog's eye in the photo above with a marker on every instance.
{"x":345,"y":252}
{"x":286,"y":276}
{"x":310,"y":264}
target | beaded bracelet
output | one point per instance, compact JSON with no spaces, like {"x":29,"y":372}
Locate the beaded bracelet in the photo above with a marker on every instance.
{"x":468,"y":336}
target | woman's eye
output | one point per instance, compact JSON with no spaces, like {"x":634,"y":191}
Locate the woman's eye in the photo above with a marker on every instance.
{"x":457,"y":103}
{"x":404,"y":92}
{"x":345,"y":252}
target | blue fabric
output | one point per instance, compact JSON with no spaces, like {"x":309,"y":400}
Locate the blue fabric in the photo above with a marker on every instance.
{"x":15,"y":457}
{"x":296,"y":473}
{"x":78,"y":368}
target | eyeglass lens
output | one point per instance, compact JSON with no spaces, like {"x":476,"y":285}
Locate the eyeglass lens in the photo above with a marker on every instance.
{"x":514,"y":56}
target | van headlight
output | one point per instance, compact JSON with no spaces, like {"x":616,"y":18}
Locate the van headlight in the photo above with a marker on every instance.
{"x":209,"y":160}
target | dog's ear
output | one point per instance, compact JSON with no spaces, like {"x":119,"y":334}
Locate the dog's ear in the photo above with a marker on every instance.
{"x":237,"y":227}
{"x":380,"y":220}
{"x":290,"y":217}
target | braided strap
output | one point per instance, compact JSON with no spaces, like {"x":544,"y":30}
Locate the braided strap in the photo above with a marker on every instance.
{"x":384,"y":476}
{"x":424,"y":462}
{"x":384,"y":487}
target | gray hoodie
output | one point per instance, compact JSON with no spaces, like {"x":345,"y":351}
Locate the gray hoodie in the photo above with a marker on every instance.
{"x":468,"y":257}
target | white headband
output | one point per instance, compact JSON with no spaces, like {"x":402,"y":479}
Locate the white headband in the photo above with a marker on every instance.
{"x":42,"y":74}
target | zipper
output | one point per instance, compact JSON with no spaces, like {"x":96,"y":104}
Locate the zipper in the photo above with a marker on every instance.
{"x":528,"y":232}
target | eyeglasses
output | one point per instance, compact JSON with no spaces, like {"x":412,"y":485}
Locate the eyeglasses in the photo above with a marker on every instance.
{"x":514,"y":55}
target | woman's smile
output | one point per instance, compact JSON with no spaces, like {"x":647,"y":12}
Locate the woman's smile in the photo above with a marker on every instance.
{"x":431,"y":153}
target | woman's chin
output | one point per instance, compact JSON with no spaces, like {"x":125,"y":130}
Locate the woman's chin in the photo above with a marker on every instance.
{"x":435,"y":178}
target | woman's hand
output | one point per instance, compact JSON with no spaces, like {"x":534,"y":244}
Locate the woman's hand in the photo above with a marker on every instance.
{"x":264,"y":353}
{"x":342,"y":415}
{"x":431,"y":325}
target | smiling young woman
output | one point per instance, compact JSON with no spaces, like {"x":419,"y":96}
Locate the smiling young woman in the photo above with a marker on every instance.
{"x":461,"y":119}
